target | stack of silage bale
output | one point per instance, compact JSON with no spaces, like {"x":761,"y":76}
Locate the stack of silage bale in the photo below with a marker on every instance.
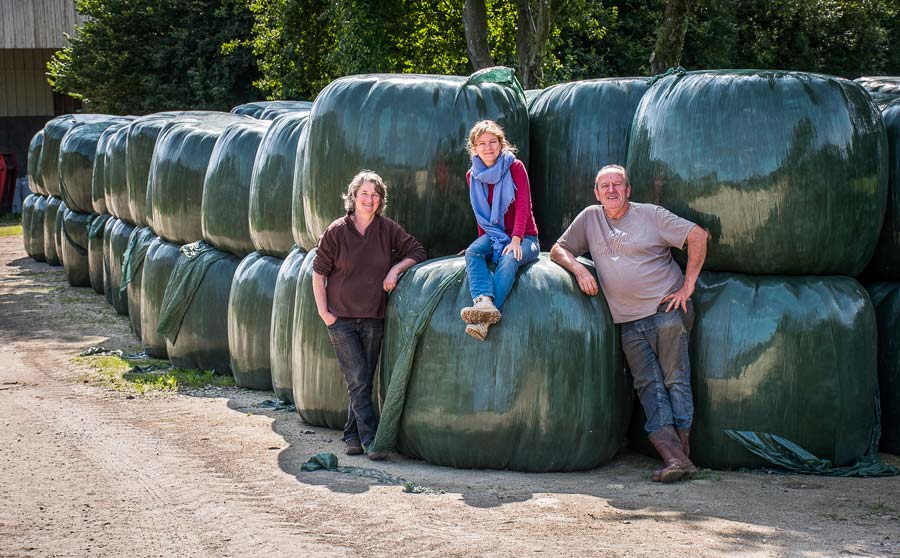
{"x":787,"y":171}
{"x":35,"y":205}
{"x":97,"y":271}
{"x":883,"y":89}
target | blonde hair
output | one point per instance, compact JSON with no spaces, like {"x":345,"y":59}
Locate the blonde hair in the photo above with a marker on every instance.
{"x":488,"y":127}
{"x":361,"y":178}
{"x":616,"y":168}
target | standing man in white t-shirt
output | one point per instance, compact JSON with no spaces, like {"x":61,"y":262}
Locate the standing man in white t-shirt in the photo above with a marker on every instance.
{"x":649,"y":297}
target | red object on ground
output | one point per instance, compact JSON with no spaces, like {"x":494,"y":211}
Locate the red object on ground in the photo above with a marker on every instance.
{"x":8,"y":177}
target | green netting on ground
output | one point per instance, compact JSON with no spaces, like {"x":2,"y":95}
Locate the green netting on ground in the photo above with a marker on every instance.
{"x":495,"y":404}
{"x":35,"y":183}
{"x":132,"y":274}
{"x":412,"y":130}
{"x":96,"y":226}
{"x":115,"y":242}
{"x":226,"y":187}
{"x":786,"y":170}
{"x":281,"y":336}
{"x":158,"y":264}
{"x":75,"y":248}
{"x":576,"y":128}
{"x":250,"y":320}
{"x":886,"y":299}
{"x":51,"y":254}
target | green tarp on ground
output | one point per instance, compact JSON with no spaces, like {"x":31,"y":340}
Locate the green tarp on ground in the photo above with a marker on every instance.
{"x":786,"y":170}
{"x":547,"y":390}
{"x":412,"y":130}
{"x":575,"y":129}
{"x":886,"y":261}
{"x":96,"y":228}
{"x":886,"y":299}
{"x":115,"y":242}
{"x":51,"y":254}
{"x":37,"y":228}
{"x":320,"y":392}
{"x":115,"y":186}
{"x":226,"y":187}
{"x":281,"y":336}
{"x":272,"y":185}
{"x":250,"y":320}
{"x":35,"y":184}
{"x":74,"y":248}
{"x":133,"y":272}
{"x":77,"y":154}
{"x":158,"y":265}
{"x":54,"y":131}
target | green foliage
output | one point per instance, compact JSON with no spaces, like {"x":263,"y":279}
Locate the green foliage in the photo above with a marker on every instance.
{"x":144,"y":56}
{"x":115,"y":372}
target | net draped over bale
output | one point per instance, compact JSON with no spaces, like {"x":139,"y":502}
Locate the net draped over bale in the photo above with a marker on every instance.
{"x":51,"y":253}
{"x":787,"y":171}
{"x":132,"y":274}
{"x":575,"y":129}
{"x":886,"y":261}
{"x":74,"y":248}
{"x":320,"y":392}
{"x":115,"y":242}
{"x":96,"y":228}
{"x":115,"y":182}
{"x":412,"y":130}
{"x":272,"y":185}
{"x":76,"y":164}
{"x":886,"y":299}
{"x":54,"y":131}
{"x":250,"y":320}
{"x":280,"y":108}
{"x":499,"y":404}
{"x":35,"y":183}
{"x":281,"y":335}
{"x":177,"y":171}
{"x":37,"y":228}
{"x":158,"y":265}
{"x":226,"y":188}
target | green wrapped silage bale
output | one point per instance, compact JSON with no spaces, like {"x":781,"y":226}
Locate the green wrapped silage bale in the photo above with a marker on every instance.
{"x":77,"y":153}
{"x":115,"y":242}
{"x":37,"y":228}
{"x":792,"y":356}
{"x":158,"y":264}
{"x":115,"y":176}
{"x":132,"y":274}
{"x":786,"y":170}
{"x":54,"y":132}
{"x":250,"y":320}
{"x":226,"y":187}
{"x":35,"y":147}
{"x":281,"y":336}
{"x":280,"y":108}
{"x":74,"y":248}
{"x":412,"y":130}
{"x":51,"y":254}
{"x":58,"y":230}
{"x":272,"y":185}
{"x":254,"y":109}
{"x":99,"y":174}
{"x":530,"y":95}
{"x":320,"y":392}
{"x":575,"y":129}
{"x":177,"y":170}
{"x":886,"y":261}
{"x":28,"y":224}
{"x":193,"y":307}
{"x":886,"y":299}
{"x":880,"y":84}
{"x":96,"y":228}
{"x":499,"y":404}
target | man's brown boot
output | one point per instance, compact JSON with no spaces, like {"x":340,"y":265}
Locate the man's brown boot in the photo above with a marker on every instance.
{"x":676,"y":465}
{"x":684,"y":434}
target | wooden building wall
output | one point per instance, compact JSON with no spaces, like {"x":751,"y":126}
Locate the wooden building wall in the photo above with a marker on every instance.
{"x":37,"y":23}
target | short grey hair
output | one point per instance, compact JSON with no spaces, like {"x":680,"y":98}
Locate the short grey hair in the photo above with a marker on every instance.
{"x":361,"y":178}
{"x":615,"y":168}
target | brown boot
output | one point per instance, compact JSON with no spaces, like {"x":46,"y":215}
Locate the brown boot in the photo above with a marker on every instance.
{"x":676,"y":465}
{"x":684,"y":435}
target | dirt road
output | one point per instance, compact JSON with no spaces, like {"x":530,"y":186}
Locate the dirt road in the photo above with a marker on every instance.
{"x":90,"y":471}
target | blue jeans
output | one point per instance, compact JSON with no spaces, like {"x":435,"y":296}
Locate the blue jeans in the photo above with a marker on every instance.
{"x":656,"y":348}
{"x":357,"y":344}
{"x":498,"y":285}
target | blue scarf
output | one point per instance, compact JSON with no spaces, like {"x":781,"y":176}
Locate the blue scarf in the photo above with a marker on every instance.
{"x":490,"y":217}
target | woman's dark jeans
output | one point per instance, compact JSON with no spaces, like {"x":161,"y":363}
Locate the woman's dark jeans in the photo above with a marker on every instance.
{"x":357,"y":344}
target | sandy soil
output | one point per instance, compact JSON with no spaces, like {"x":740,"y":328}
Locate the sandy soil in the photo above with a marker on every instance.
{"x":90,"y":471}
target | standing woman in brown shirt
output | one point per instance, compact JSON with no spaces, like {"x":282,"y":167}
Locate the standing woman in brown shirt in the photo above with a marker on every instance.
{"x":358,"y":261}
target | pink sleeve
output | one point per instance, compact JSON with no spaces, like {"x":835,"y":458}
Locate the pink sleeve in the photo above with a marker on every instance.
{"x":523,"y":198}
{"x":469,"y":182}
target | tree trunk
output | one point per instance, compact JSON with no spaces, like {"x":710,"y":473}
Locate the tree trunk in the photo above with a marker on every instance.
{"x":534,"y":23}
{"x":670,"y":40}
{"x":475,"y":25}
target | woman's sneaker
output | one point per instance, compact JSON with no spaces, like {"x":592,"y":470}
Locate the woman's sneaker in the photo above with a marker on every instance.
{"x":483,"y":312}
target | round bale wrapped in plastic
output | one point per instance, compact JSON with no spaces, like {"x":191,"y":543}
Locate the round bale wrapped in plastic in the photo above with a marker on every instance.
{"x":880,"y":84}
{"x":280,"y":108}
{"x":99,"y":177}
{"x":576,"y":128}
{"x":177,"y":171}
{"x":158,"y":265}
{"x":115,"y":184}
{"x":254,"y":109}
{"x":250,"y":320}
{"x":28,"y":225}
{"x":412,"y":130}
{"x":132,"y":274}
{"x":281,"y":336}
{"x":193,"y":306}
{"x":115,"y":242}
{"x":77,"y":154}
{"x":37,"y":228}
{"x":226,"y":188}
{"x":886,"y":299}
{"x":54,"y":132}
{"x":547,"y":390}
{"x":50,"y":246}
{"x":74,"y":248}
{"x":272,"y":185}
{"x":96,"y":228}
{"x":35,"y":183}
{"x":320,"y":392}
{"x":787,"y":171}
{"x":886,"y":261}
{"x":789,"y":356}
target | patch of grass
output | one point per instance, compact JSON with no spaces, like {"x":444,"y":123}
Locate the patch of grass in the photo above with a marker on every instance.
{"x":114,"y":372}
{"x":10,"y":229}
{"x":706,"y":474}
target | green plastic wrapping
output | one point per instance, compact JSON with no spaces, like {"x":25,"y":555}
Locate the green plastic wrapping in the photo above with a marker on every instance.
{"x":280,"y":108}
{"x":281,"y":335}
{"x":51,"y":254}
{"x":158,"y":265}
{"x":35,"y":184}
{"x":786,"y":170}
{"x":250,"y":320}
{"x":99,"y":176}
{"x":226,"y":188}
{"x":37,"y":228}
{"x":115,"y":242}
{"x":320,"y":392}
{"x":58,"y":230}
{"x":563,"y":406}
{"x":272,"y":185}
{"x":132,"y":274}
{"x":530,"y":95}
{"x":96,"y":226}
{"x":77,"y":153}
{"x":886,"y":299}
{"x":28,"y":224}
{"x":74,"y":248}
{"x":880,"y":84}
{"x":575,"y":129}
{"x":54,"y":131}
{"x":177,"y":171}
{"x":790,"y":356}
{"x":884,"y":99}
{"x":254,"y":109}
{"x":412,"y":130}
{"x":886,"y":260}
{"x":193,"y":307}
{"x":115,"y":184}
